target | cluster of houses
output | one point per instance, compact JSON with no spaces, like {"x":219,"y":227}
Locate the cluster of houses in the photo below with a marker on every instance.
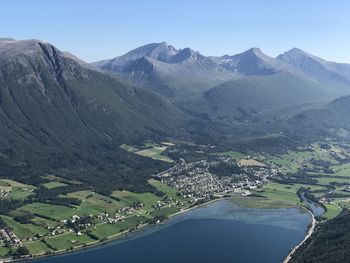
{"x":10,"y":238}
{"x":4,"y":193}
{"x":197,"y":181}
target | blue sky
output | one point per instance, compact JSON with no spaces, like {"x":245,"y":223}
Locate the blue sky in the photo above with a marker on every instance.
{"x":99,"y":29}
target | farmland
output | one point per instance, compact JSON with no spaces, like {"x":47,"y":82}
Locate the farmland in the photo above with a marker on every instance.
{"x":10,"y":189}
{"x":150,"y":150}
{"x":42,"y":226}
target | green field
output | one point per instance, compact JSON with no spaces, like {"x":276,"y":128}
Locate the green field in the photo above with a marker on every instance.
{"x":128,"y":148}
{"x":55,"y":212}
{"x":232,"y":154}
{"x":152,"y":150}
{"x":25,"y":230}
{"x":148,"y":199}
{"x":108,"y":230}
{"x":51,"y":185}
{"x":171,"y":192}
{"x":20,"y":230}
{"x":36,"y":247}
{"x":55,"y":178}
{"x":166,"y":211}
{"x":4,"y":251}
{"x":284,"y":192}
{"x":342,"y":170}
{"x":294,"y":160}
{"x":327,"y":180}
{"x":155,"y":153}
{"x":44,"y":222}
{"x":15,"y":189}
{"x":68,"y":240}
{"x":344,"y":203}
{"x":332,"y":211}
{"x":260,"y":202}
{"x":93,"y":203}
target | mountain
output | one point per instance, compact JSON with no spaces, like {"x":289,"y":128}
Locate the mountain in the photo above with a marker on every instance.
{"x":253,"y":62}
{"x":166,"y":70}
{"x":58,"y":116}
{"x":335,"y":74}
{"x":328,"y":120}
{"x":246,"y":98}
{"x":49,"y":98}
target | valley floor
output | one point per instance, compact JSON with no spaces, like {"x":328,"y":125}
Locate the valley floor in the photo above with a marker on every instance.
{"x":39,"y":228}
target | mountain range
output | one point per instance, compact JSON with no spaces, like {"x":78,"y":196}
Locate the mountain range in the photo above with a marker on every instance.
{"x":178,"y":74}
{"x":58,"y":111}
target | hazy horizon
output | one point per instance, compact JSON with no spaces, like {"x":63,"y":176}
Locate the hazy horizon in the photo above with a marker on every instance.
{"x":95,"y":31}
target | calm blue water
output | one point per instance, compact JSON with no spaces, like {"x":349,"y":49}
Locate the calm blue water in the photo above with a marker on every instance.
{"x":220,"y":232}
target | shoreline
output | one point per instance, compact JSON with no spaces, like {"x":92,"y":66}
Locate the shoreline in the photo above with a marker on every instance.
{"x":112,"y":238}
{"x":126,"y":233}
{"x":308,"y":235}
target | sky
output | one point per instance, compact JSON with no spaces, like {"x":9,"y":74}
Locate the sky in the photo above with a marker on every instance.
{"x":100,"y":29}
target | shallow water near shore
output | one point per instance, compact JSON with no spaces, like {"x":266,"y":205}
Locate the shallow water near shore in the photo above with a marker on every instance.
{"x":218,"y":232}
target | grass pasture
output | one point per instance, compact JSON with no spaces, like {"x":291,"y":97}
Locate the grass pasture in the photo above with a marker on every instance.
{"x":15,"y":189}
{"x":152,"y":150}
{"x":327,"y":180}
{"x":68,"y":240}
{"x":260,"y":202}
{"x":171,"y":192}
{"x":53,"y":184}
{"x":55,"y":212}
{"x":20,"y":230}
{"x":148,"y":199}
{"x":103,"y":231}
{"x":232,"y":154}
{"x":332,"y":211}
{"x":342,"y":170}
{"x":284,"y":192}
{"x":4,"y":251}
{"x":39,"y":221}
{"x":155,"y":153}
{"x":36,"y":247}
{"x":55,"y":178}
{"x":165,"y":211}
{"x":93,"y":203}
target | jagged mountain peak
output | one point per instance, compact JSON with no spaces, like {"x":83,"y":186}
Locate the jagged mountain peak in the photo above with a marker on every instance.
{"x":254,"y":50}
{"x":317,"y":68}
{"x":297,"y":54}
{"x":254,"y":53}
{"x":185,"y":54}
{"x":160,"y":51}
{"x":22,"y":49}
{"x":252,"y":62}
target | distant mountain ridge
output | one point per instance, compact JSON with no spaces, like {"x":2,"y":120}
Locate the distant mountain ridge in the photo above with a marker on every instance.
{"x":166,"y":70}
{"x":178,"y":74}
{"x":252,"y":62}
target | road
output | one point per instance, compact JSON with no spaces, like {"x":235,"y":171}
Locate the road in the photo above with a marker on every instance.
{"x":308,"y":235}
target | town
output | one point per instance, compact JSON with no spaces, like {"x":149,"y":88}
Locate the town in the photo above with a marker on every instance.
{"x":208,"y":179}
